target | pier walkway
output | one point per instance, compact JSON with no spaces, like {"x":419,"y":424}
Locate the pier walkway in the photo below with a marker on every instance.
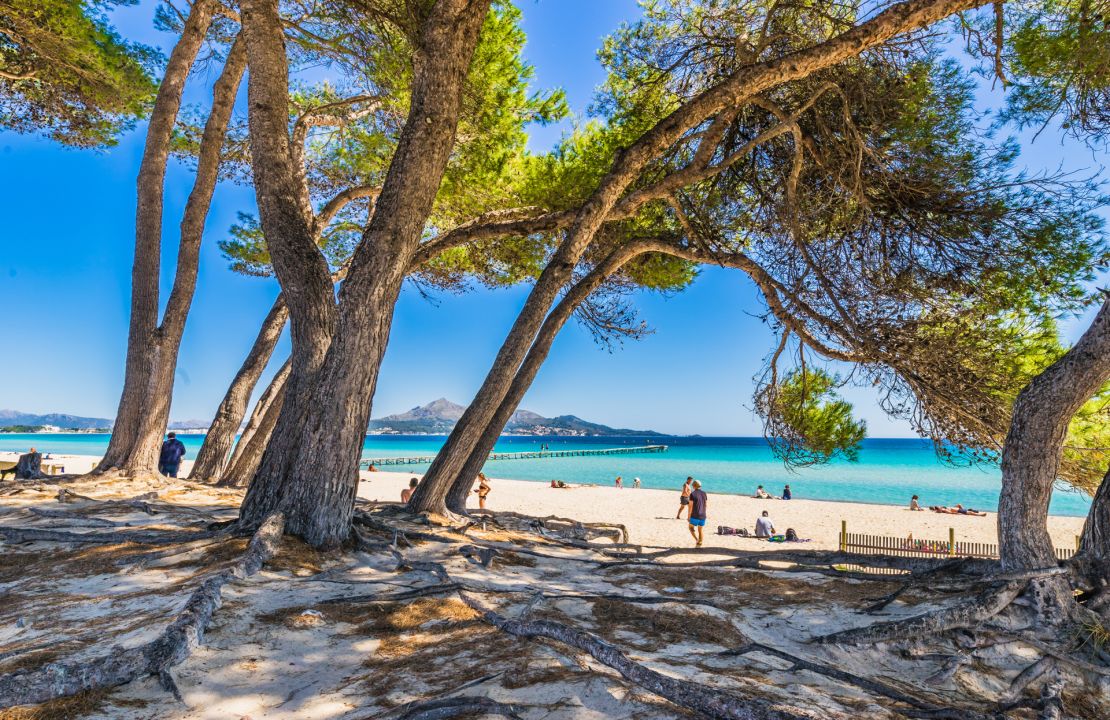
{"x":530,"y":455}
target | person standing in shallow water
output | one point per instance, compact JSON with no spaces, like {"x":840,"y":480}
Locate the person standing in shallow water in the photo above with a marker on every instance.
{"x":169,"y":460}
{"x":698,"y":502}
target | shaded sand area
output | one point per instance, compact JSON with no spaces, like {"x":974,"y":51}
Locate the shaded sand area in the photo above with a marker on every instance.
{"x":649,"y":515}
{"x":508,"y":615}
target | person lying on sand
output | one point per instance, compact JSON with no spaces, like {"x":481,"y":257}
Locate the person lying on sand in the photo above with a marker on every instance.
{"x":958,"y":510}
{"x":559,"y":484}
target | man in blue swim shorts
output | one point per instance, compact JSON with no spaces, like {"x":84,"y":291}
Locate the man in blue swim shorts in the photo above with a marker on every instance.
{"x":698,"y":502}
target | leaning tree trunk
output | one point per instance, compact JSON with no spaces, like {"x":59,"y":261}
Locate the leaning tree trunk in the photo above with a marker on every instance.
{"x":256,"y":435}
{"x":1092,"y":562}
{"x":310,"y":467}
{"x":216,"y":450}
{"x":733,"y":92}
{"x":152,"y":349}
{"x":512,"y":395}
{"x":1033,"y":449}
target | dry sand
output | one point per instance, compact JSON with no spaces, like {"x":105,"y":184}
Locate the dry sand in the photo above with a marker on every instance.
{"x":650,"y":514}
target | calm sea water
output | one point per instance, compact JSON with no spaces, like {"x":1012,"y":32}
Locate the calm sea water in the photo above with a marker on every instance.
{"x":888,"y":472}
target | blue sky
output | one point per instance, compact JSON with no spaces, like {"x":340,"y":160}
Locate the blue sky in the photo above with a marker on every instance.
{"x":66,"y":249}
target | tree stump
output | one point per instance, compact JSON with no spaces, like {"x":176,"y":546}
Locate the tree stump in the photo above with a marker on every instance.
{"x":29,"y":467}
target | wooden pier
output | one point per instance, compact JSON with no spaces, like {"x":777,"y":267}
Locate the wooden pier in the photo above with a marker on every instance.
{"x":531,"y":455}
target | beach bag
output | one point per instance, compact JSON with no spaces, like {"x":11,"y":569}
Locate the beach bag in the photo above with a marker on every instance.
{"x":725,"y":530}
{"x":791,"y":536}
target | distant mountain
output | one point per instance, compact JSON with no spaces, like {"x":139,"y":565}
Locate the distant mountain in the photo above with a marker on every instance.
{"x":439,"y":417}
{"x":9,"y":418}
{"x":68,"y":422}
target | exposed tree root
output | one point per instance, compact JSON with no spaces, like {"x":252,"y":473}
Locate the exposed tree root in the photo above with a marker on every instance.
{"x":122,"y":665}
{"x":141,"y":537}
{"x":685,"y":693}
{"x":564,"y":526}
{"x":439,"y":709}
{"x":968,"y":613}
{"x":923,"y":707}
{"x":1028,"y":676}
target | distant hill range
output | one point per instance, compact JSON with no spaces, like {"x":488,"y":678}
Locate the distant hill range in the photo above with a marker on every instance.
{"x":436,"y":418}
{"x":12,"y":418}
{"x":439,"y":417}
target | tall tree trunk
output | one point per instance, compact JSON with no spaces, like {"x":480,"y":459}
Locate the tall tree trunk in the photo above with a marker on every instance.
{"x":216,"y":449}
{"x":627,"y":166}
{"x":310,"y":467}
{"x":1032,"y":452}
{"x":256,"y":435}
{"x":512,"y":395}
{"x":152,"y":350}
{"x":1092,"y":562}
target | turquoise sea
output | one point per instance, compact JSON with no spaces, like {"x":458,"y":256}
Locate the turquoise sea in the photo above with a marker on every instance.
{"x":889,"y":471}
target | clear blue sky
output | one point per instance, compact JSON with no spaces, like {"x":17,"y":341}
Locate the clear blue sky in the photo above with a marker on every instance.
{"x":66,"y":248}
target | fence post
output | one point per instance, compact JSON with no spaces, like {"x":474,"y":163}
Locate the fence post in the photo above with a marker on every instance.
{"x":843,"y":536}
{"x":951,"y":542}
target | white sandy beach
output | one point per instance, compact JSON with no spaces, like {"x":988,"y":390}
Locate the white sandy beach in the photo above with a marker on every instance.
{"x":650,"y":514}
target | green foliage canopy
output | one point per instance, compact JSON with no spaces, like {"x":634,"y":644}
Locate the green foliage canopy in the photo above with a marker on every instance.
{"x":66,"y":73}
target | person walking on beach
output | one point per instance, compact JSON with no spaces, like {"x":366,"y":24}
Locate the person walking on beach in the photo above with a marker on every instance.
{"x":619,"y":482}
{"x":169,"y":460}
{"x":684,"y":499}
{"x":698,"y":502}
{"x":636,"y":483}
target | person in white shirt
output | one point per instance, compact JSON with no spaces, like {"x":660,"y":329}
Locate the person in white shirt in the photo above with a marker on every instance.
{"x":764,"y":528}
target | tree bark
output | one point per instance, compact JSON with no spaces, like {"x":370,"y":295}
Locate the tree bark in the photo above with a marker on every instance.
{"x":310,"y":467}
{"x":214,"y":453}
{"x":1093,"y":559}
{"x":1034,"y":445}
{"x":152,"y":349}
{"x":730,"y":93}
{"x":512,"y":395}
{"x":256,"y":435}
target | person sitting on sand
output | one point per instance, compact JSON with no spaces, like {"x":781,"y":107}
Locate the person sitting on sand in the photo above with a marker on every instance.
{"x":914,"y":505}
{"x":698,"y":503}
{"x":559,"y":484}
{"x":761,"y":494}
{"x":407,"y":492}
{"x":684,"y":499}
{"x":764,"y":528}
{"x":483,"y":490}
{"x":786,"y":494}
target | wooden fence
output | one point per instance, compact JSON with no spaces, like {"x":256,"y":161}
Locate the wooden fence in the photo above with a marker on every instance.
{"x":862,"y":544}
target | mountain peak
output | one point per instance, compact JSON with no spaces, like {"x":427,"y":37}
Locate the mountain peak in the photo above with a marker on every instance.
{"x":439,"y":417}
